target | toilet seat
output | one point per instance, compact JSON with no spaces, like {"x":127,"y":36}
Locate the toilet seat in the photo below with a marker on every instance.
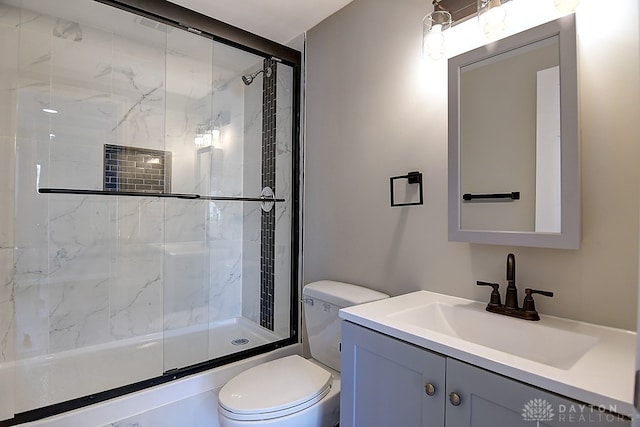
{"x":274,"y":389}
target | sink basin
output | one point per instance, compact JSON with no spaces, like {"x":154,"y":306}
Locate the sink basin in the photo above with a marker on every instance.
{"x":551,"y":346}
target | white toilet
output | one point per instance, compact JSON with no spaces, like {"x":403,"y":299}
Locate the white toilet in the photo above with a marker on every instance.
{"x":293,"y":391}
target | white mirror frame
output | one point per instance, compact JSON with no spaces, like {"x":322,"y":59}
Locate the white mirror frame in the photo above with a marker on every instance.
{"x":571,"y":224}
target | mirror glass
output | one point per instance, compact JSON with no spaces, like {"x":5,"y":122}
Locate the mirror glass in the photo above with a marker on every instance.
{"x":513,"y":140}
{"x":500,"y":140}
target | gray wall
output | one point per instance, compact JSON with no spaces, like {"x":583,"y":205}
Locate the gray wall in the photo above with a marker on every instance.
{"x":374,"y":111}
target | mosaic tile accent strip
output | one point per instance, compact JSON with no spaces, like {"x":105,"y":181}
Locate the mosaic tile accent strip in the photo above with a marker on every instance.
{"x":136,"y":169}
{"x":268,"y":220}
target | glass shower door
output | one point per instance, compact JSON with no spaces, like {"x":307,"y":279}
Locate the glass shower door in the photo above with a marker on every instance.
{"x":88,"y":289}
{"x":153,"y":198}
{"x":229,"y":130}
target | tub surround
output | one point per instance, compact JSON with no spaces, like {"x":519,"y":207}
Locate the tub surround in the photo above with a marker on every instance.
{"x":80,"y":273}
{"x":603,"y":376}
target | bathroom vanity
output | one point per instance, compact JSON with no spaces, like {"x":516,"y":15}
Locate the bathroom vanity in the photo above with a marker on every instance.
{"x":426,"y":359}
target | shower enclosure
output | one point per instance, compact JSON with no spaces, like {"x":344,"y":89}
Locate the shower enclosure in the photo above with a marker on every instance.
{"x":151,"y":174}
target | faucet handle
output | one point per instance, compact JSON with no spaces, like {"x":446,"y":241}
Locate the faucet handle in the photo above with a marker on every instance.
{"x":495,"y":295}
{"x":529,"y":304}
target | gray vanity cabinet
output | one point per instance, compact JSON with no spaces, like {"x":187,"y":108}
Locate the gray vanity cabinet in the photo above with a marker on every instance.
{"x":385,"y":383}
{"x":489,"y":400}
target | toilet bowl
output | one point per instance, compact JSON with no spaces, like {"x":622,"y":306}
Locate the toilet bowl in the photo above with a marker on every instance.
{"x":294,"y":391}
{"x":287,"y":392}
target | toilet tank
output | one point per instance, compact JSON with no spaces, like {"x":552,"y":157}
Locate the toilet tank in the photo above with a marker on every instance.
{"x":322,"y":300}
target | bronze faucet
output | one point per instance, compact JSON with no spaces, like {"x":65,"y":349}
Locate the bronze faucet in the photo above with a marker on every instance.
{"x":511,"y":300}
{"x":510,"y":307}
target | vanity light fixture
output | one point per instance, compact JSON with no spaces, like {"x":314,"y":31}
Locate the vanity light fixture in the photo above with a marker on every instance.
{"x":491,"y":17}
{"x":566,"y":6}
{"x":50,"y":110}
{"x":433,"y":27}
{"x":491,"y":14}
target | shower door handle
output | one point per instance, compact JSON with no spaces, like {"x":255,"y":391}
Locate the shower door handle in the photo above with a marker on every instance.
{"x":267,"y":198}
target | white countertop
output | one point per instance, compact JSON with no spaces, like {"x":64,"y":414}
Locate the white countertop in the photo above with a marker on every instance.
{"x":602,"y":377}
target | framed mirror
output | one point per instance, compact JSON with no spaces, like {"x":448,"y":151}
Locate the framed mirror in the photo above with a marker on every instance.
{"x":514,"y":161}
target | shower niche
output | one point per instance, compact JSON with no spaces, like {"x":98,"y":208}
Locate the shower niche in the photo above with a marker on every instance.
{"x":144,"y":244}
{"x":136,"y":169}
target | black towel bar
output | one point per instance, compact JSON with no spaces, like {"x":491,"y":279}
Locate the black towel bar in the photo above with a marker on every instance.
{"x":511,"y":196}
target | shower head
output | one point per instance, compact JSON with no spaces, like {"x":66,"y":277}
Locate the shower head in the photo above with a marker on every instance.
{"x":247,"y":79}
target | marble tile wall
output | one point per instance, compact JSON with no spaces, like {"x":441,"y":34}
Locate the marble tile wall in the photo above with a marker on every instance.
{"x":9,"y":19}
{"x":85,"y":269}
{"x":225,"y":220}
{"x":186,"y":278}
{"x":252,"y":182}
{"x":252,"y":179}
{"x":284,"y":174}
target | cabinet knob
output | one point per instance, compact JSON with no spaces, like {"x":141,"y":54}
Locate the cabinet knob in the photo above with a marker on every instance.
{"x":430,"y":389}
{"x":455,"y":399}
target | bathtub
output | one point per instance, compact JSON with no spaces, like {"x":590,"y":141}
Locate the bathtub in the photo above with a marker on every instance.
{"x":46,"y":380}
{"x":129,"y":409}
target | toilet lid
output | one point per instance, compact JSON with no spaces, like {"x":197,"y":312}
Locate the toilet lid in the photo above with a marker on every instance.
{"x":274,"y":389}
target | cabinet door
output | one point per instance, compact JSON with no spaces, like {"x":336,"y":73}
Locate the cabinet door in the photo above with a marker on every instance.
{"x":384,"y":382}
{"x":490,"y":400}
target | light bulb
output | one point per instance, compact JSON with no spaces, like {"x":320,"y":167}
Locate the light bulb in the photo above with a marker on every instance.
{"x":491,"y":17}
{"x":495,"y":16}
{"x":433,"y":27}
{"x":434,"y":45}
{"x":566,"y":6}
{"x":216,"y":135}
{"x":207,"y":139}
